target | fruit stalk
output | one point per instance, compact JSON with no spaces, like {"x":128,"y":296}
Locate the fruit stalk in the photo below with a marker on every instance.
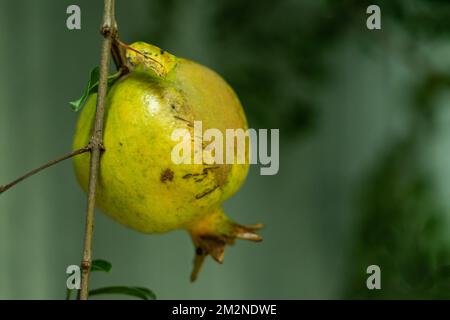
{"x":109,"y":32}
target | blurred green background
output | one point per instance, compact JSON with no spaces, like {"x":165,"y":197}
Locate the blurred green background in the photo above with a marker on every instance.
{"x":364,"y":119}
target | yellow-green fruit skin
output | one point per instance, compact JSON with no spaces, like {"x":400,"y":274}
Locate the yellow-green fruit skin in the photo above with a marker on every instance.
{"x":139,"y":185}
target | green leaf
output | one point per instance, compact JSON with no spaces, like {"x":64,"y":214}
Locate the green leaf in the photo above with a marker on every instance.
{"x":101,"y":265}
{"x":92,"y":87}
{"x":138,"y":292}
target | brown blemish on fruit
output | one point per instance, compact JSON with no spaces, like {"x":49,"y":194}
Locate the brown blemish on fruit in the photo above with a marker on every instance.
{"x":221,"y":175}
{"x":210,"y":168}
{"x":166,"y":175}
{"x":206,"y":192}
{"x":189,"y":123}
{"x":203,"y":174}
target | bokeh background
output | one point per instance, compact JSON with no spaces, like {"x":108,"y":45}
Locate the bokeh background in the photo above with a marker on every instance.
{"x":364,"y":119}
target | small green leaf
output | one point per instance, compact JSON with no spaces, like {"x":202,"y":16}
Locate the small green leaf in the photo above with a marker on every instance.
{"x":138,"y":292}
{"x":101,"y":265}
{"x":92,"y":87}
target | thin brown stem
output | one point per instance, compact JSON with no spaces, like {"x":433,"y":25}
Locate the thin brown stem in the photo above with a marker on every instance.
{"x":118,"y":54}
{"x":74,"y":153}
{"x":109,"y":32}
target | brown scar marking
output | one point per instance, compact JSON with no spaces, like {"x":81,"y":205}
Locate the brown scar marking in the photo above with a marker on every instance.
{"x":189,"y":123}
{"x":166,"y":175}
{"x":210,"y":168}
{"x":187,"y":176}
{"x":201,"y":195}
{"x":204,"y":173}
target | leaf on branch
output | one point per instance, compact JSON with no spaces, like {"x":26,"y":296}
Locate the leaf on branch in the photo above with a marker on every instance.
{"x":101,"y":265}
{"x":92,"y":87}
{"x":137,"y":292}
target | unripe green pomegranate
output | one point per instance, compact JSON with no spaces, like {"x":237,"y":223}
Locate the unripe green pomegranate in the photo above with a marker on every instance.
{"x":139,"y":185}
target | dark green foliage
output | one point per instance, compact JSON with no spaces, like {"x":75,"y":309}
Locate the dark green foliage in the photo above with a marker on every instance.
{"x":402,"y":227}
